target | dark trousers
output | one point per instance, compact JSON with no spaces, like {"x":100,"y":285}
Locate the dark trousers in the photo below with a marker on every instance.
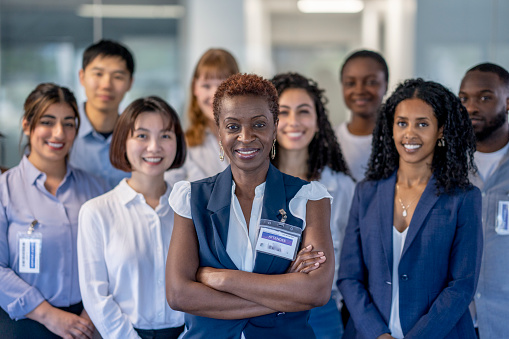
{"x":28,"y":328}
{"x":164,"y":333}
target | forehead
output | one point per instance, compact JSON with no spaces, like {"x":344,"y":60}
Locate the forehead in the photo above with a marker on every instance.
{"x":479,"y":81}
{"x":60,"y":109}
{"x":362,"y":66}
{"x":295,"y":96}
{"x":153,"y":118}
{"x":244,"y":107}
{"x":414,"y":109}
{"x":114,"y":63}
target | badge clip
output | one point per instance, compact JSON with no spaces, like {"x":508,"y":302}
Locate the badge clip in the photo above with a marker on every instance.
{"x":283,"y":215}
{"x":31,"y":227}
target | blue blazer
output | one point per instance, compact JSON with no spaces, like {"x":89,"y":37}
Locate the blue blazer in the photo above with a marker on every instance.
{"x":210,"y":209}
{"x":438,"y":269}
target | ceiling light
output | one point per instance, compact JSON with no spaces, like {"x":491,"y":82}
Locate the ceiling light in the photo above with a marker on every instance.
{"x":330,"y":6}
{"x":132,"y":11}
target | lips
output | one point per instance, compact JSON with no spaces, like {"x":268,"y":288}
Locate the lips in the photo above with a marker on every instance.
{"x":294,"y":135}
{"x":247,"y":153}
{"x":153,"y":161}
{"x":55,"y":145}
{"x":412,"y":147}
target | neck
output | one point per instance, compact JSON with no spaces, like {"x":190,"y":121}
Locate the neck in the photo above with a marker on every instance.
{"x":247,"y":181}
{"x":55,"y":170}
{"x":496,"y":141}
{"x":360,"y":125}
{"x":410,"y":175}
{"x":293,"y":162}
{"x":152,"y":187}
{"x":101,"y":121}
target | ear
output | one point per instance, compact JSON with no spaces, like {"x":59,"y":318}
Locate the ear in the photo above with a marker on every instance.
{"x":25,"y":125}
{"x":82,"y":77}
{"x":441,"y":132}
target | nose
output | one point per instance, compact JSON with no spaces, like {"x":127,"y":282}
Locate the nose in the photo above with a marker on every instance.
{"x":58,"y":131}
{"x":471,"y":106}
{"x":292,"y":118}
{"x":246,"y":135}
{"x":153,"y":145}
{"x":359,"y":87}
{"x":409,"y":132}
{"x":106,"y":81}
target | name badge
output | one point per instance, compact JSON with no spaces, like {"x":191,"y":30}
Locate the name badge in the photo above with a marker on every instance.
{"x":279,"y":239}
{"x":29,"y":250}
{"x":502,"y":224}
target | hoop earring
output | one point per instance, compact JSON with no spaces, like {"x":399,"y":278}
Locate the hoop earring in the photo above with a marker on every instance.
{"x":273,"y":150}
{"x":441,"y":142}
{"x":221,"y":151}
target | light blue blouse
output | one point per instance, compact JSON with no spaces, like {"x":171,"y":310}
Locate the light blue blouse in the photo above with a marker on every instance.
{"x":23,"y":199}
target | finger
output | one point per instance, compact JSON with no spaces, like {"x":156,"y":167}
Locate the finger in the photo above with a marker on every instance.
{"x":88,"y":323}
{"x":303,"y":265}
{"x":83,"y":329}
{"x":78,"y":334}
{"x":311,"y":268}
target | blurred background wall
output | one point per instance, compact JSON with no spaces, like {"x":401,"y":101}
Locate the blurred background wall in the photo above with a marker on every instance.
{"x":43,"y":40}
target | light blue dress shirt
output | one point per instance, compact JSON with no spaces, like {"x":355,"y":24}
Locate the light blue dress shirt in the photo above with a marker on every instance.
{"x":91,"y":153}
{"x":23,"y":199}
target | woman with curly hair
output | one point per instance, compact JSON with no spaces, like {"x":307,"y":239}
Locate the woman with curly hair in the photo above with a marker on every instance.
{"x":412,"y":250}
{"x":236,"y":234}
{"x":214,"y":66}
{"x":307,"y":148}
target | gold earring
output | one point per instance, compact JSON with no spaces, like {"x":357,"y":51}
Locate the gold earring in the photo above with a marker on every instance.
{"x":273,"y":150}
{"x":441,"y":142}
{"x":221,"y":151}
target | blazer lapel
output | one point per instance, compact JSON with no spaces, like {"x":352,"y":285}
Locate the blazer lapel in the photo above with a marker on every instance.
{"x":219,"y":204}
{"x":424,"y":206}
{"x":385,"y":196}
{"x":274,"y":199}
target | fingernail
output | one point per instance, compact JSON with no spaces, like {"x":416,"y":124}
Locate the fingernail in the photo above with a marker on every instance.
{"x":320,"y":253}
{"x":308,"y":246}
{"x":317,"y":264}
{"x":322,"y":257}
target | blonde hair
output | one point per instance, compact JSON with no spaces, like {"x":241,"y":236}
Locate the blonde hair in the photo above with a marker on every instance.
{"x":215,"y":63}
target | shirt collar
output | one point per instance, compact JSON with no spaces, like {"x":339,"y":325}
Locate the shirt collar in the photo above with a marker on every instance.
{"x":259,"y":190}
{"x":33,"y":174}
{"x":85,"y":125}
{"x":126,"y":194}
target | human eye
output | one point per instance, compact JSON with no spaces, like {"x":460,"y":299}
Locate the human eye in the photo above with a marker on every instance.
{"x":260,"y":124}
{"x":401,"y":123}
{"x":232,"y":127}
{"x":304,"y":111}
{"x":206,"y":86}
{"x":283,"y":112}
{"x":166,"y":135}
{"x":463,"y":99}
{"x":70,"y":124}
{"x":485,"y":98}
{"x":349,"y":83}
{"x":140,"y":136}
{"x":46,"y":122}
{"x":372,"y":82}
{"x":423,"y":124}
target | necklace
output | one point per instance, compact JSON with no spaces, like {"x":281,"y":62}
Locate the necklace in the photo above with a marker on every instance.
{"x":405,"y":213}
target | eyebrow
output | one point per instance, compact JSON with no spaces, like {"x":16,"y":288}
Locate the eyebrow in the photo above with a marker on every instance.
{"x":483,"y":91}
{"x":121,"y":71}
{"x":301,"y":105}
{"x":49,"y":116}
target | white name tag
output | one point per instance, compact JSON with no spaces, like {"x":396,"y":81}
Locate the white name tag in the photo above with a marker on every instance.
{"x":502,"y":226}
{"x":30,"y":252}
{"x":279,"y":239}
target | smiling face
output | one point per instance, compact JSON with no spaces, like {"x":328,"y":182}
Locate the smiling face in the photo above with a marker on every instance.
{"x":486,"y":99}
{"x":364,"y":86}
{"x":53,"y":135}
{"x":297,"y":119}
{"x":106,"y":80}
{"x":247,"y":131}
{"x":204,"y":90}
{"x":151,"y":148}
{"x":415,"y":132}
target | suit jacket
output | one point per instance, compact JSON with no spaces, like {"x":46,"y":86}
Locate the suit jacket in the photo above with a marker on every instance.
{"x":210,"y":209}
{"x":438,"y":269}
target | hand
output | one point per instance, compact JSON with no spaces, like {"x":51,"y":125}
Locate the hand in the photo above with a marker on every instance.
{"x":385,"y":336}
{"x":64,"y":324}
{"x":307,"y":261}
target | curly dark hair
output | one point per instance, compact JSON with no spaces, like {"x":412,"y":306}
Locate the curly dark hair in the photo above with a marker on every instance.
{"x":452,"y":163}
{"x":323,"y":149}
{"x":246,"y":85}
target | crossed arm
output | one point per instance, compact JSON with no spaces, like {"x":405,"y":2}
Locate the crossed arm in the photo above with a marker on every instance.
{"x":232,"y":294}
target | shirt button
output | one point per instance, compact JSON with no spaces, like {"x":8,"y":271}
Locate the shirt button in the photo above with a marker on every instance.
{"x":404,"y":277}
{"x":483,"y":194}
{"x":478,"y":295}
{"x":160,"y":314}
{"x":160,"y":282}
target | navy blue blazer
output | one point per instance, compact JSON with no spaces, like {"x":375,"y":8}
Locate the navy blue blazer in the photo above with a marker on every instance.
{"x":438,"y":269}
{"x":210,"y":209}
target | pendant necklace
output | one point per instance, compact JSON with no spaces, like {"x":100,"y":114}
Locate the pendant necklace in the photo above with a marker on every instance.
{"x":407,"y":206}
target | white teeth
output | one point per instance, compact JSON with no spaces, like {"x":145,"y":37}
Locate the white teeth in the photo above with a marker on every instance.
{"x":294,"y":134}
{"x":152,"y":159}
{"x":411,"y":146}
{"x":246,"y":152}
{"x":55,"y":144}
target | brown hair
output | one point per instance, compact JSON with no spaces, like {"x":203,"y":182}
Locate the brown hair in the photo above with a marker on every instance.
{"x":41,"y":98}
{"x":246,"y":85}
{"x":215,"y":63}
{"x":125,"y":126}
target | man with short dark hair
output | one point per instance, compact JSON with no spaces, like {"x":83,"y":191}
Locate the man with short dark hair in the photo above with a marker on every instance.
{"x":484,"y":92}
{"x":106,"y":75}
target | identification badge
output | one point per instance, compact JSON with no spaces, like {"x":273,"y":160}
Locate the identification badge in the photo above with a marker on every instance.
{"x":29,"y":250}
{"x":279,"y":239}
{"x":502,"y":226}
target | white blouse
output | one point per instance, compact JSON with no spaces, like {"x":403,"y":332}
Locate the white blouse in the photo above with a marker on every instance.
{"x":398,"y":242}
{"x":122,"y":249}
{"x":241,"y":241}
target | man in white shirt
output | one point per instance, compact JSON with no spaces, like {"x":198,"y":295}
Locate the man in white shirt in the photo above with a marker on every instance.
{"x":106,"y":75}
{"x":484,"y":92}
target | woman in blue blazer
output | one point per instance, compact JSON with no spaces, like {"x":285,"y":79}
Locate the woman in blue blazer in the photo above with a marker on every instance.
{"x":412,"y":249}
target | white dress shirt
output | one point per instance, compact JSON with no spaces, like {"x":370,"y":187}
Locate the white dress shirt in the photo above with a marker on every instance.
{"x":241,"y":242}
{"x":356,"y":150}
{"x":122,"y":249}
{"x":202,"y":161}
{"x":398,"y":241}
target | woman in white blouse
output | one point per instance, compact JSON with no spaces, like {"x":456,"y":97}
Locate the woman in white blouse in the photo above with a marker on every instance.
{"x":124,"y":234}
{"x":214,"y":66}
{"x":307,"y":148}
{"x":235,"y":234}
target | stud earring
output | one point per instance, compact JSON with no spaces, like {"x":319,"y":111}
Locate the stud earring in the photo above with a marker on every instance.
{"x":273,"y":150}
{"x":441,"y":142}
{"x":221,"y":151}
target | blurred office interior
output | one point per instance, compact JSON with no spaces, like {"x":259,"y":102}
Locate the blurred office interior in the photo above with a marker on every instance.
{"x":43,"y":40}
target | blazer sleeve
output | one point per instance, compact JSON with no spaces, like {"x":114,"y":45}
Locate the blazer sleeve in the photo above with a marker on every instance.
{"x":464,"y":267}
{"x":353,"y":278}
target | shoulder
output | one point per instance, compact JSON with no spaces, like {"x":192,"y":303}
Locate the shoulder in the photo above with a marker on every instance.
{"x":102,"y":203}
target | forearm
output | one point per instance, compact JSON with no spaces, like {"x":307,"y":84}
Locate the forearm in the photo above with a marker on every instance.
{"x":198,"y":299}
{"x":290,"y":292}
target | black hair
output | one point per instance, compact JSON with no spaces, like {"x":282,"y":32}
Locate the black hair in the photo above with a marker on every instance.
{"x":502,"y":73}
{"x":364,"y":53}
{"x":451,"y":163}
{"x":108,"y":48}
{"x":324,"y":149}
